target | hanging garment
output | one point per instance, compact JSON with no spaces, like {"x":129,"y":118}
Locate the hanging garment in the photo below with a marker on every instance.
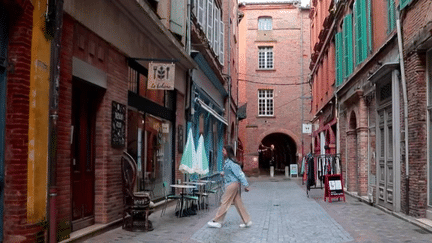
{"x":310,"y":172}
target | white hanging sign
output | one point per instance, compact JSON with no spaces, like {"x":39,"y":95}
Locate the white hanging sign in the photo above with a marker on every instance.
{"x":307,"y":128}
{"x":161,"y":76}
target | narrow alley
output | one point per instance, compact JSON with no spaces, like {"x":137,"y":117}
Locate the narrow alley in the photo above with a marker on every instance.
{"x":281,"y":212}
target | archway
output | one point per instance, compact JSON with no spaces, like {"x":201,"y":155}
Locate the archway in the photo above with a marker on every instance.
{"x":352,"y":162}
{"x":285,"y":152}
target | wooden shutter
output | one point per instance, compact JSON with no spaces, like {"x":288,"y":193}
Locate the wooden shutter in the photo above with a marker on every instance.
{"x":202,"y":6}
{"x":177,"y":17}
{"x":361,"y":41}
{"x":216,"y":17}
{"x":210,"y":21}
{"x":221,"y":42}
{"x":404,"y":3}
{"x":195,"y":7}
{"x":391,"y":16}
{"x":348,"y":45}
{"x":338,"y":57}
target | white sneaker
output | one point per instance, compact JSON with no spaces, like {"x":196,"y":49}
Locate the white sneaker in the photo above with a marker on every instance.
{"x":214,"y":224}
{"x":247,"y":225}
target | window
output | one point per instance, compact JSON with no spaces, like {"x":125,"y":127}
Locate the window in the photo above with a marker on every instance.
{"x":361,"y":27}
{"x":339,"y":58}
{"x":265,"y":23}
{"x":265,"y":57}
{"x":391,"y":15}
{"x":265,"y":102}
{"x":347,"y":46}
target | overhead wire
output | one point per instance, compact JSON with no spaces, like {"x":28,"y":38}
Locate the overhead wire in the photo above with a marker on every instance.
{"x":256,"y":82}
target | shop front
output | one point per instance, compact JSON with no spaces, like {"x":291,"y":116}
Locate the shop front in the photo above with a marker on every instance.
{"x":208,"y":99}
{"x":150,"y":131}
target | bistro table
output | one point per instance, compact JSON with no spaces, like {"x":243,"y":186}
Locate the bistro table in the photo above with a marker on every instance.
{"x":183,"y":187}
{"x":201,"y":190}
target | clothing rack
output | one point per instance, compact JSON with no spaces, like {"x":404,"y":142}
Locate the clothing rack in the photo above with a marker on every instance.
{"x":327,"y":170}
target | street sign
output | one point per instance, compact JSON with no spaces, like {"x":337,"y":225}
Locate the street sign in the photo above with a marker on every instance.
{"x":307,"y":128}
{"x":293,"y":169}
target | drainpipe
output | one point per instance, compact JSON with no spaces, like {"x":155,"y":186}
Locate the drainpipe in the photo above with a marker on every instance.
{"x":368,"y":155}
{"x":405,"y":104}
{"x":54,"y":23}
{"x":229,"y":73}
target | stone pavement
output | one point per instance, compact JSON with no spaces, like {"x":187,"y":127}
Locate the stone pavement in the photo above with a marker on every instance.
{"x":280,"y":212}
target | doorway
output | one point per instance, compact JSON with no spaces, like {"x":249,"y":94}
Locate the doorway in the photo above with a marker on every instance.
{"x":85,"y":102}
{"x":385,"y":171}
{"x":285,"y":153}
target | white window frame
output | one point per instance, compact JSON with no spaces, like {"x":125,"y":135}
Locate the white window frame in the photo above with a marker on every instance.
{"x":201,"y":14}
{"x":221,"y":42}
{"x":216,"y":17}
{"x":210,"y":22}
{"x":265,"y":102}
{"x":265,"y":57}
{"x":265,"y":23}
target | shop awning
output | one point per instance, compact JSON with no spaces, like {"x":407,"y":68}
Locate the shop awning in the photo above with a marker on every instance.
{"x":211,"y":111}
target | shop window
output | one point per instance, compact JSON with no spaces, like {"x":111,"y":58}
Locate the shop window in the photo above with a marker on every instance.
{"x":137,"y":83}
{"x":149,"y":143}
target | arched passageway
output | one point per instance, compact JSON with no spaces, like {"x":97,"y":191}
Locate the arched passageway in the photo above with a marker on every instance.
{"x":285,"y":152}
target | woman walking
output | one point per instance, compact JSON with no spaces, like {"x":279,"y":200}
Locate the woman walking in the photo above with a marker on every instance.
{"x":233,"y":176}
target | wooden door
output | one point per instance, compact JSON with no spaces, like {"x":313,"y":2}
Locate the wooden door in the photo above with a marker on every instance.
{"x":84,"y":101}
{"x":385,"y":158}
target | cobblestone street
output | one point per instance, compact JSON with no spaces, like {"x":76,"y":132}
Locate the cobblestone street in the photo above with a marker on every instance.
{"x":281,"y":212}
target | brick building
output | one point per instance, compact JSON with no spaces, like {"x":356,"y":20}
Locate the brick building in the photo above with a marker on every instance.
{"x":380,"y":96}
{"x":416,"y":22}
{"x":274,"y":56}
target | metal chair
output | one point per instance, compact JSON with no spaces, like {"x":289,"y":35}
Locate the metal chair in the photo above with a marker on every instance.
{"x":136,"y":205}
{"x":167,"y":197}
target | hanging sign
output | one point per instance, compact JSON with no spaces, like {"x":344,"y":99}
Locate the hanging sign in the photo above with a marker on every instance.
{"x":161,"y":76}
{"x":307,"y":128}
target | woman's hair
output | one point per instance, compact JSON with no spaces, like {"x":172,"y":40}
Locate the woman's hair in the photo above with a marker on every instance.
{"x":230,"y":153}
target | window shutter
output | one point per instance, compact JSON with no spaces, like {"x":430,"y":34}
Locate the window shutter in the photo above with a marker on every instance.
{"x":216,"y":15}
{"x":363,"y":30}
{"x":195,"y":7}
{"x":357,"y":26}
{"x":177,"y":17}
{"x":391,"y":17}
{"x":338,"y":56}
{"x":210,"y":21}
{"x":347,"y":43}
{"x":201,"y":13}
{"x":404,"y":3}
{"x":369,"y":26}
{"x":221,"y":42}
{"x":360,"y":23}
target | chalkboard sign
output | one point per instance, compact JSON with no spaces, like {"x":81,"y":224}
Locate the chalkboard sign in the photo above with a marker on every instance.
{"x":118,"y":125}
{"x":333,"y":187}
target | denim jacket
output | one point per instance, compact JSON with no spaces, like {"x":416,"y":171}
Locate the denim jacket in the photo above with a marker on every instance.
{"x":233,"y":173}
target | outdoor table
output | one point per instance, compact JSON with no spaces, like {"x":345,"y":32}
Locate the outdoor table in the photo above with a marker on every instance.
{"x":183,"y":187}
{"x":202,"y":192}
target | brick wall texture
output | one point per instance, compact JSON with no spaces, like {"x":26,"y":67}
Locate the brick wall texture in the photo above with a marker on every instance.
{"x":108,"y":192}
{"x":416,"y":17}
{"x":16,"y":228}
{"x":288,"y":24}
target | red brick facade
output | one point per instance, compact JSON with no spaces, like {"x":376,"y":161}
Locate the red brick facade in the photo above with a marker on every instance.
{"x":16,"y":228}
{"x":290,"y":27}
{"x":417,"y":39}
{"x":108,"y":193}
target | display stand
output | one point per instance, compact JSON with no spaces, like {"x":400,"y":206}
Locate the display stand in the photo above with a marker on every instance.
{"x":333,"y":187}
